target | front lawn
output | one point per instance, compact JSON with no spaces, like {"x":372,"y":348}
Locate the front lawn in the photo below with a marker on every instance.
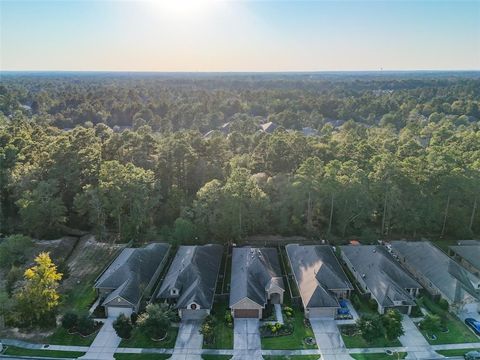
{"x":148,"y":356}
{"x":62,"y":337}
{"x":16,"y":351}
{"x":455,"y":352}
{"x":381,"y":356}
{"x":223,"y":334}
{"x":140,"y":340}
{"x":293,"y":341}
{"x":357,"y":341}
{"x":458,"y":332}
{"x":291,"y":357}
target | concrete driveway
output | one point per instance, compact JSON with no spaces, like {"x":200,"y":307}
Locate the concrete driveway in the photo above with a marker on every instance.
{"x":416,"y":345}
{"x":105,"y":344}
{"x":188,"y":345}
{"x":329,"y":340}
{"x":246,"y":340}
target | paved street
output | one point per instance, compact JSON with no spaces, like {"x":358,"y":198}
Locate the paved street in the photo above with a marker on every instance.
{"x":188,"y":345}
{"x":329,"y":340}
{"x":246,"y":339}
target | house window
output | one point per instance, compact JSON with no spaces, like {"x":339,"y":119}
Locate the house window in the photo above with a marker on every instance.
{"x":174,"y":292}
{"x":193,"y":306}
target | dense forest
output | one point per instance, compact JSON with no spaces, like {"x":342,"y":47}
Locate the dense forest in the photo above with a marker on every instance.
{"x":184,"y":157}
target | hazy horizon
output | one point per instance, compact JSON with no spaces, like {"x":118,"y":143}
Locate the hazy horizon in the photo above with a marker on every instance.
{"x":239,"y":36}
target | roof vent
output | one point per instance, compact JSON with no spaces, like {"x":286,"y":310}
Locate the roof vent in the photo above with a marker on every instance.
{"x":364,"y":276}
{"x":374,"y":250}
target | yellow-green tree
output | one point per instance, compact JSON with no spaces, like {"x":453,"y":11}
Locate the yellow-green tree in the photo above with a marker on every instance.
{"x":38,"y":298}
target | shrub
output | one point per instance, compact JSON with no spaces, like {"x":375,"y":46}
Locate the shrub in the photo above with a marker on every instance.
{"x":69,"y":320}
{"x":155,"y":321}
{"x":123,"y":326}
{"x":85,"y":325}
{"x":443,"y":304}
{"x":370,"y":327}
{"x":12,"y":250}
{"x":392,"y":322}
{"x":207,"y":330}
{"x":430,"y":323}
{"x":229,"y":318}
{"x":372,"y":304}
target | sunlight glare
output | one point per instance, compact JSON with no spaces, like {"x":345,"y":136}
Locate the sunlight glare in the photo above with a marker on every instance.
{"x":182,"y":8}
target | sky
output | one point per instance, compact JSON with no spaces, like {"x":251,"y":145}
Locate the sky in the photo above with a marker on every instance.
{"x":241,"y":35}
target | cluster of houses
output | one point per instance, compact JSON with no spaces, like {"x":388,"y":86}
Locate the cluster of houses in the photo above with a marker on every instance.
{"x":392,"y":275}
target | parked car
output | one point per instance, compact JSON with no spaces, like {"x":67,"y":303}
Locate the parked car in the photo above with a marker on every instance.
{"x":472,"y":355}
{"x":473,"y":324}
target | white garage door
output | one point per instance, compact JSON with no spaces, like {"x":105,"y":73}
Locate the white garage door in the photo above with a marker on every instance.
{"x":115,"y":311}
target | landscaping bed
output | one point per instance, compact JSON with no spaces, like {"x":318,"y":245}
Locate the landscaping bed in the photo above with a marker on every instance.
{"x":16,"y":351}
{"x":140,"y":340}
{"x":62,"y":337}
{"x":222,"y":330}
{"x":297,"y":332}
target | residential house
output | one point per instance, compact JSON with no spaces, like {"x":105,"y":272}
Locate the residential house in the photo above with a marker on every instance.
{"x":320,"y":279}
{"x":130,"y":277}
{"x":438,"y":273}
{"x":191,"y":280}
{"x":256,"y":281}
{"x":467,"y":253}
{"x":381,"y":276}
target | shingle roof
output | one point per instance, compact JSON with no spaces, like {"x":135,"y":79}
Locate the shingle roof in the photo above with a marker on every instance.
{"x":437,"y":267}
{"x":193,"y":273}
{"x":470,"y":252}
{"x":317,"y":272}
{"x":382,"y":274}
{"x":131,"y":271}
{"x":253,"y":270}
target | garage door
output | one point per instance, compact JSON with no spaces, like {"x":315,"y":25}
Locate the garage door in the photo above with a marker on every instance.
{"x":321,"y":312}
{"x":115,"y":311}
{"x":246,"y":313}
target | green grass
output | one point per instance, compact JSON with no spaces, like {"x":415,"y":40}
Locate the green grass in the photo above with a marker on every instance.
{"x":291,"y":357}
{"x":16,"y":351}
{"x":357,"y":341}
{"x":223,"y":334}
{"x":140,"y":340}
{"x":80,"y":297}
{"x":293,"y":341}
{"x":148,"y":356}
{"x":62,"y":337}
{"x":458,"y":331}
{"x":216,"y":357}
{"x":455,"y":352}
{"x":381,"y":356}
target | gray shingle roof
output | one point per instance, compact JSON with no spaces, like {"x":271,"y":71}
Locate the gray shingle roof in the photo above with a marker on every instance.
{"x":437,"y":267}
{"x":193,"y":273}
{"x":132,"y":271}
{"x":317,"y":272}
{"x":469,"y":250}
{"x":382,"y":274}
{"x":253,"y":270}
